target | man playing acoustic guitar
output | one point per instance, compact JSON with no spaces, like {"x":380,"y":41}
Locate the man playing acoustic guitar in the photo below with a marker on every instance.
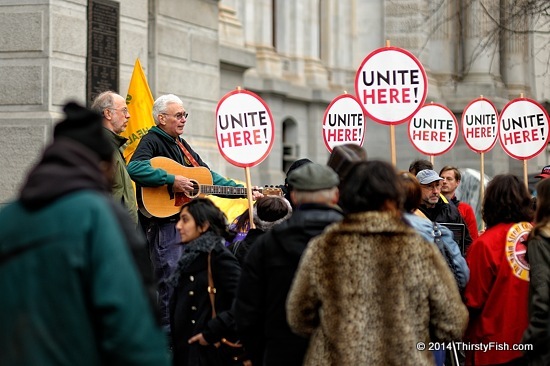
{"x":152,"y":176}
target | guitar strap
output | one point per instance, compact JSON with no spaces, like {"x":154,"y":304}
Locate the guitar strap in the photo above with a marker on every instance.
{"x":187,"y":154}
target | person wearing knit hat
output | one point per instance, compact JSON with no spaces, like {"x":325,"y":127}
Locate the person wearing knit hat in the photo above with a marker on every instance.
{"x":84,"y":126}
{"x":268,"y":211}
{"x":63,"y":234}
{"x":343,"y":156}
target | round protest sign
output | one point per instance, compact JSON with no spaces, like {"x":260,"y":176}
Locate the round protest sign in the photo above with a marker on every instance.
{"x":391,"y":85}
{"x":480,"y":125}
{"x":523,"y":128}
{"x":433,"y":130}
{"x":244,"y":128}
{"x":344,"y":122}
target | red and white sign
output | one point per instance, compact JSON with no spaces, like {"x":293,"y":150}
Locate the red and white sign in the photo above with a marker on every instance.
{"x":523,"y":128}
{"x":433,"y":130}
{"x":344,"y":122}
{"x":480,"y":125}
{"x":391,"y":85}
{"x":244,"y":128}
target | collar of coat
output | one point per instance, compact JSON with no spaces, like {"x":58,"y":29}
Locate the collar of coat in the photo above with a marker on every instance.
{"x":375,"y":222}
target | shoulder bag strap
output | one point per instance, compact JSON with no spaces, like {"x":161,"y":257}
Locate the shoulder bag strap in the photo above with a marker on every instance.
{"x":211,"y":288}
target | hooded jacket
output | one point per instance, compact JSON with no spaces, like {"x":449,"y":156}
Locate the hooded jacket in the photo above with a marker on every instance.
{"x":72,"y":295}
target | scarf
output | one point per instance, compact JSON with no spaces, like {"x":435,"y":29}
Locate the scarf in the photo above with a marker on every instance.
{"x":203,"y":244}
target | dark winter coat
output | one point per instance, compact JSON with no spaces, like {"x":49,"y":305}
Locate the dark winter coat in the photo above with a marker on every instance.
{"x":538,"y":331}
{"x":266,"y":277}
{"x":191,"y":312}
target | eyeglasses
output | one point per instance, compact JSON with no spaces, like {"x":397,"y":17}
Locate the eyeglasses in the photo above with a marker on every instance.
{"x":177,"y":115}
{"x":123,"y":110}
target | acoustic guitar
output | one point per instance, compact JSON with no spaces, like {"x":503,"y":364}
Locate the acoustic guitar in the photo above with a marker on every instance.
{"x":163,"y":202}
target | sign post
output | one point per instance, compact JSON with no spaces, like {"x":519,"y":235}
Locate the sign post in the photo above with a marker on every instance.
{"x":479,"y":129}
{"x":391,"y":85}
{"x":244,"y":132}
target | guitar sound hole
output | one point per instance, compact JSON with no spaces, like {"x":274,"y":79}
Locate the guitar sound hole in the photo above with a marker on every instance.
{"x":196,"y":189}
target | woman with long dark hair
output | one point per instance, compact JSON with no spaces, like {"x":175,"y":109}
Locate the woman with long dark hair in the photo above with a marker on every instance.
{"x":195,"y":329}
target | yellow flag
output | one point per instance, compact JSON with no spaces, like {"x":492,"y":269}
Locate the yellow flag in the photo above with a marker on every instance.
{"x":140,"y":105}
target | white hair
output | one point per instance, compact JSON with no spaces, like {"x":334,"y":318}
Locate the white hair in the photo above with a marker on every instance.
{"x":161,"y":104}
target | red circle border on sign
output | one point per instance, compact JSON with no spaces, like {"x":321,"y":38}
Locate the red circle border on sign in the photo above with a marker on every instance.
{"x":328,"y":109}
{"x":424,"y":75}
{"x":547,"y":134}
{"x":455,"y":139}
{"x":268,"y":151}
{"x":462,"y":123}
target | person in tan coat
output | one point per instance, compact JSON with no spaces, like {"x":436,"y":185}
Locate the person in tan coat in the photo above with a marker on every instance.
{"x":369,"y":290}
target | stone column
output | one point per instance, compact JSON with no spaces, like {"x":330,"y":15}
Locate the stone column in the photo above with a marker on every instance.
{"x":258,"y":19}
{"x":481,"y":42}
{"x":515,"y":48}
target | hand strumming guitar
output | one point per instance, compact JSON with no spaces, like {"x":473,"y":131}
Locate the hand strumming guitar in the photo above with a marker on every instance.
{"x":182,"y":184}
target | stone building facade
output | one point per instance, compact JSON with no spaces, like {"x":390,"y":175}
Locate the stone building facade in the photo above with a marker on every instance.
{"x":297,"y":55}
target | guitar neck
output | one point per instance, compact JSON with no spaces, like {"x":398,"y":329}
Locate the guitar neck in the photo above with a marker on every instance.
{"x":223,"y":190}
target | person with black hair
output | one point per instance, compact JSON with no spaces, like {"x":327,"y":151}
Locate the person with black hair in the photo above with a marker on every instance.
{"x":287,"y":187}
{"x":203,"y":229}
{"x":268,"y":211}
{"x":71,"y":292}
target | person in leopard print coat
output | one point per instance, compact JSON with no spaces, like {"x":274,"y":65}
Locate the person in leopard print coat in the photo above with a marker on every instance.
{"x":369,"y":289}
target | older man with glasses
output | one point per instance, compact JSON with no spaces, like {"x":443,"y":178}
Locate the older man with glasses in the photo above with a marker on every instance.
{"x":112,"y":108}
{"x":165,"y":140}
{"x":434,"y":208}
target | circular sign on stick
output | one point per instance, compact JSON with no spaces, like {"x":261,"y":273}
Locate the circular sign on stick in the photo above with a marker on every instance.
{"x":344,"y":122}
{"x":244,"y":128}
{"x":433,"y":130}
{"x":523,"y":128}
{"x":391,"y":85}
{"x":480,"y":125}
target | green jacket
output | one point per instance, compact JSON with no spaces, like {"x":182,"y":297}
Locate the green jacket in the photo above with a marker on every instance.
{"x":123,"y":189}
{"x":71,"y":294}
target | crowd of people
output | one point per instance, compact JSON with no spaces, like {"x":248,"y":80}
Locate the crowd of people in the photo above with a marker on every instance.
{"x":356,"y":264}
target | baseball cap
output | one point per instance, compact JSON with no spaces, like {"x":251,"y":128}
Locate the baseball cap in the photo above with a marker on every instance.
{"x":545,"y":173}
{"x":427,"y":176}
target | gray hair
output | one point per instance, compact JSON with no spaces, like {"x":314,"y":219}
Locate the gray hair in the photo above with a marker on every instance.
{"x":161,"y":104}
{"x":326,"y":196}
{"x":103,"y":101}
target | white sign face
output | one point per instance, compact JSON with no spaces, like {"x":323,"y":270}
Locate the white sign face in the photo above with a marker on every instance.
{"x":391,"y":85}
{"x":244,"y":128}
{"x":433,"y":130}
{"x":480,"y":125}
{"x":523,"y":128}
{"x":344,"y":122}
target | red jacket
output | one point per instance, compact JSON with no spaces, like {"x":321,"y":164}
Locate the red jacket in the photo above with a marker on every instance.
{"x":469,"y":217}
{"x":497,"y":293}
